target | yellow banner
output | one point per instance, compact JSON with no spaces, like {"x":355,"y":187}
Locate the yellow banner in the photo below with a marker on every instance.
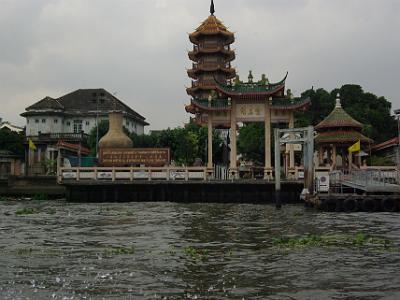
{"x":355,"y":148}
{"x":32,"y":146}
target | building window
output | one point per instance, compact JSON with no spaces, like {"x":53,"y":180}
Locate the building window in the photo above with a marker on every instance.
{"x":87,"y":123}
{"x":36,"y":120}
{"x":127,"y":123}
{"x":55,"y":121}
{"x":68,"y":123}
{"x":94,"y":100}
{"x":102,"y":101}
{"x":77,"y":126}
{"x":94,"y":95}
{"x":43,"y":120}
{"x":27,"y":121}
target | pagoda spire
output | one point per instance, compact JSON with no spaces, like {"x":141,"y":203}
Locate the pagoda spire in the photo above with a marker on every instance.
{"x":212,"y":8}
{"x":338,"y":101}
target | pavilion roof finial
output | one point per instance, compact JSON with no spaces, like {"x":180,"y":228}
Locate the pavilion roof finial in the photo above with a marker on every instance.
{"x":338,"y":103}
{"x":212,"y":8}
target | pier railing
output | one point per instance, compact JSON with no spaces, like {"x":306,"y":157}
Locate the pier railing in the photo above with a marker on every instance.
{"x":132,"y":174}
{"x":367,"y":179}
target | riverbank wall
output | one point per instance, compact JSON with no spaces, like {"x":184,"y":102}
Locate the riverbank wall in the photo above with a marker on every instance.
{"x":253,"y":191}
{"x":32,"y":186}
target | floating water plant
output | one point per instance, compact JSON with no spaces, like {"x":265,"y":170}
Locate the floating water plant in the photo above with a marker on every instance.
{"x":24,"y":251}
{"x":197,"y":254}
{"x":27,"y":211}
{"x":312,"y":240}
{"x":120,"y":251}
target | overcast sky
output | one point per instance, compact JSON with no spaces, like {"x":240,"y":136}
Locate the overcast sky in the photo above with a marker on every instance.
{"x":138,"y":48}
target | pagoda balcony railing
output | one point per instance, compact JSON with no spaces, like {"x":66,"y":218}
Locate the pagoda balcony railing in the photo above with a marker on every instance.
{"x":211,"y":66}
{"x":211,"y":48}
{"x":202,"y":83}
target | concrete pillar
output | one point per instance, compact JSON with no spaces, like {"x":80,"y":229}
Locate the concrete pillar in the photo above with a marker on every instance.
{"x":267,"y":120}
{"x":233,"y":158}
{"x":210,"y":142}
{"x":334,"y":154}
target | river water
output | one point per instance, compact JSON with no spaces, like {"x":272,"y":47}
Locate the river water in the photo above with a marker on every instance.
{"x":191,"y":251}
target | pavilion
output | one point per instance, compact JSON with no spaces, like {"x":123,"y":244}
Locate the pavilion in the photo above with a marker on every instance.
{"x":335,"y":134}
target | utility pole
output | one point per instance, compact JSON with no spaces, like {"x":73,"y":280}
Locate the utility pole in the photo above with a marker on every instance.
{"x":397,"y":113}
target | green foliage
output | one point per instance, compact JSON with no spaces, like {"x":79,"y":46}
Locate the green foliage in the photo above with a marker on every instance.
{"x":186,"y":143}
{"x":49,"y":166}
{"x":380,"y":161}
{"x":251,"y":142}
{"x":27,"y":211}
{"x":12,"y":141}
{"x":372,"y":111}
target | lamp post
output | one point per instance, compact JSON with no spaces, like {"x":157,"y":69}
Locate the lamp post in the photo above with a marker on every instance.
{"x":397,"y":113}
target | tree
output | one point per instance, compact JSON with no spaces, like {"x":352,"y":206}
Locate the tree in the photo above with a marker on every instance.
{"x":12,"y":141}
{"x":372,"y":111}
{"x":251,"y":142}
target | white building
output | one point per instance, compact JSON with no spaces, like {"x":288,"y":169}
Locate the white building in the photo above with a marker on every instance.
{"x":77,"y":112}
{"x":10,"y":127}
{"x":64,"y":124}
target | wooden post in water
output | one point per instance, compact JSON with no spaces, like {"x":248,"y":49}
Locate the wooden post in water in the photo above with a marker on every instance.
{"x":309,"y":160}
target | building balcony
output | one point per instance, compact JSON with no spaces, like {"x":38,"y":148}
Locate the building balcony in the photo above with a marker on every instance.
{"x":60,"y":136}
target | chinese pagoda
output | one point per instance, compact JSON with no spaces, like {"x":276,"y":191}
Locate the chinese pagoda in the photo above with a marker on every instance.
{"x":218,"y":101}
{"x":211,"y":56}
{"x":336,"y":133}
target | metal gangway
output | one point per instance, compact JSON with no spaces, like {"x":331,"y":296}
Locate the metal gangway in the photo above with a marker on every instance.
{"x":367,"y":180}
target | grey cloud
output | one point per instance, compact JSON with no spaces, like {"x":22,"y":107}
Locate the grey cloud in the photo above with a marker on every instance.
{"x":137,"y":48}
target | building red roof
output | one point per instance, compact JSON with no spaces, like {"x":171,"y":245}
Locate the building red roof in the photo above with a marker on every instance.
{"x":390,"y":143}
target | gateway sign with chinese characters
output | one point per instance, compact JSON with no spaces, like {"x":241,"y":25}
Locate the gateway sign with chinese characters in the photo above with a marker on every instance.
{"x":256,"y":113}
{"x":149,"y":157}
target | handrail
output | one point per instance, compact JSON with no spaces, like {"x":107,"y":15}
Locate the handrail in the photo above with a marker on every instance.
{"x":132,"y":173}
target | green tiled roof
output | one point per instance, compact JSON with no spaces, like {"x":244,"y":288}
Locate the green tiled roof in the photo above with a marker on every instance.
{"x":277,"y":103}
{"x":284,"y":103}
{"x":248,"y":87}
{"x":351,"y":136}
{"x":338,"y":118}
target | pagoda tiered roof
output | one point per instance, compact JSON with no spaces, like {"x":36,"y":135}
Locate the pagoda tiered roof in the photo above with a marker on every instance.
{"x":198,"y":52}
{"x":212,"y":67}
{"x":212,"y":26}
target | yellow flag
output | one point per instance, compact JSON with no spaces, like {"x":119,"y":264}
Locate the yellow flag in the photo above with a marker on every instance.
{"x":355,"y":148}
{"x":32,"y":146}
